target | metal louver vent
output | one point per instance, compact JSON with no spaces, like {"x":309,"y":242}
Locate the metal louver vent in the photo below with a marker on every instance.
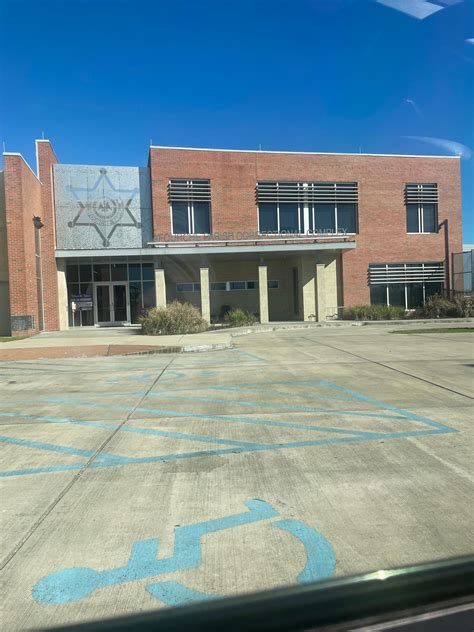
{"x":421,"y":193}
{"x":307,"y":192}
{"x":406,"y":272}
{"x":180,"y":190}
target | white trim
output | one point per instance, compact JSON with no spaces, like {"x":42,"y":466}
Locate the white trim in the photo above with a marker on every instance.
{"x":312,"y":153}
{"x":16,"y":153}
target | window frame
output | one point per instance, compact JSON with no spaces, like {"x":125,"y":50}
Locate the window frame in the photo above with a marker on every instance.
{"x":301,"y":219}
{"x":190,"y":205}
{"x":421,"y":220}
{"x":312,"y":217}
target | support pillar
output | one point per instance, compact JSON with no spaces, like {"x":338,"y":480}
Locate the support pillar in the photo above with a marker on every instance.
{"x":308,"y":289}
{"x":263,"y":293}
{"x":160,"y":286}
{"x":320,"y":292}
{"x":63,"y":306}
{"x":205,"y":296}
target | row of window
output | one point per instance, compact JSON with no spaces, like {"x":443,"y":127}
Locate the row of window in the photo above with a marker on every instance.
{"x":226,"y":286}
{"x":407,"y":295}
{"x":298,"y":208}
{"x":405,"y":284}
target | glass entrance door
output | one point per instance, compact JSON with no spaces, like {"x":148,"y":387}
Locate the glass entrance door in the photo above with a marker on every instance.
{"x":112,"y":304}
{"x":119,"y":304}
{"x":103,"y":305}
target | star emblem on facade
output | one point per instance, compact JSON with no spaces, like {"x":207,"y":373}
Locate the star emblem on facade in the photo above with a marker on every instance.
{"x":104,"y":207}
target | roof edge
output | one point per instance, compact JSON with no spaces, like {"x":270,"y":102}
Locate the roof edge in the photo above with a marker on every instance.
{"x":311,"y":153}
{"x":17,"y":153}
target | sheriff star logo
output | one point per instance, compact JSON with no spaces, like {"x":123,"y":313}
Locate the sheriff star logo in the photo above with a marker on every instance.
{"x":104,"y":207}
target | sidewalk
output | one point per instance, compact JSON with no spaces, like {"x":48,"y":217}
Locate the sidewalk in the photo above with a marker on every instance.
{"x":99,"y":342}
{"x":87,"y":342}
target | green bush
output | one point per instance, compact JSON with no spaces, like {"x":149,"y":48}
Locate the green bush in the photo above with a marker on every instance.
{"x":239,"y":318}
{"x":373,"y":312}
{"x":437,"y":306}
{"x":465,"y":305}
{"x":175,"y":318}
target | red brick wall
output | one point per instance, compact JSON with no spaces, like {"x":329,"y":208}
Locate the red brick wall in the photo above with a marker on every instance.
{"x":46,"y":158}
{"x":22,"y":202}
{"x":382,"y":215}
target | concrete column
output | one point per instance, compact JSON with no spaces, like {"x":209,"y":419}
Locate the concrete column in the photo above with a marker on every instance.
{"x":205,"y":296}
{"x":308,"y":289}
{"x":62,"y":295}
{"x":263,"y":293}
{"x":320,"y":292}
{"x":160,"y":286}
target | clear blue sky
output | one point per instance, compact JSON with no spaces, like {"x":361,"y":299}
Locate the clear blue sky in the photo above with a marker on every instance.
{"x":103,"y":77}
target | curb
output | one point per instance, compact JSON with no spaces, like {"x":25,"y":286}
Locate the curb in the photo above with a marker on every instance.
{"x":349,"y":323}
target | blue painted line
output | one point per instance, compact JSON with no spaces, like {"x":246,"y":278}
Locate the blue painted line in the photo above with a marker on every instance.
{"x":73,"y":584}
{"x":175,"y":594}
{"x":224,"y":418}
{"x":273,"y":392}
{"x":249,"y":355}
{"x":293,"y":408}
{"x":52,"y":447}
{"x":132,"y":429}
{"x":405,"y":413}
{"x":320,"y":556}
{"x":225,"y":451}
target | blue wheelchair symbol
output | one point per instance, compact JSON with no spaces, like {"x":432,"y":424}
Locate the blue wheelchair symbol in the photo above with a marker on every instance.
{"x":73,"y":584}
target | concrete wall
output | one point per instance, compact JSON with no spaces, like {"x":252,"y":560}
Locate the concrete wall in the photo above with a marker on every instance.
{"x":280,"y":301}
{"x":4,"y":287}
{"x":102,"y":207}
{"x":382,"y":235}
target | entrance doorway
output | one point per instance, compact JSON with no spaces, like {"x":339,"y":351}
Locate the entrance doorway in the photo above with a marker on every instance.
{"x":112,"y":304}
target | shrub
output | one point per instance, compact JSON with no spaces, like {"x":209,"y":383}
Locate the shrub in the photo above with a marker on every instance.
{"x":373,"y":312}
{"x":465,"y":305}
{"x":239,"y":318}
{"x":175,"y":318}
{"x":438,"y":307}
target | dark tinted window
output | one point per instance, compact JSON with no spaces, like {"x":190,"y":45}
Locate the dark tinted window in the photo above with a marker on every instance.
{"x":396,"y":293}
{"x":412,"y":218}
{"x":347,"y":217}
{"x":429,"y":218}
{"x":202,"y":219}
{"x":180,"y":218}
{"x":414,"y":295}
{"x":268,"y":218}
{"x":289,"y":217}
{"x":325,"y":217}
{"x":378,"y":294}
{"x":148,"y":272}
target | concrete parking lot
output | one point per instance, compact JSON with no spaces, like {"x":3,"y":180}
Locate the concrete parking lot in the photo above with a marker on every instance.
{"x":133,"y":483}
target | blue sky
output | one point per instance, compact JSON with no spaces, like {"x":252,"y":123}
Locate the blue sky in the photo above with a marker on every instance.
{"x":101,"y":78}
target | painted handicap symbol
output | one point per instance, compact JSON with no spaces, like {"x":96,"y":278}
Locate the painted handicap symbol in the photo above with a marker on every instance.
{"x":73,"y":584}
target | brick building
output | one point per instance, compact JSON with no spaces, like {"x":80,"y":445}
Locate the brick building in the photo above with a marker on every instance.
{"x":289,"y":236}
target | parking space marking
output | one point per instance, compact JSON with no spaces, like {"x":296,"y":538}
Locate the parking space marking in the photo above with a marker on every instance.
{"x":73,"y":584}
{"x":385,"y":412}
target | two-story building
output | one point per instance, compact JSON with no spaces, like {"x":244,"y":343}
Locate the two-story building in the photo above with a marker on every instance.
{"x":289,"y":236}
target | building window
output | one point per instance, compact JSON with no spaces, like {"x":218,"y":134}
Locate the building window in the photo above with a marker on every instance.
{"x":188,"y":287}
{"x":230,"y":286}
{"x":138,"y":277}
{"x":190,"y":202}
{"x":219,"y":286}
{"x":405,"y":284}
{"x":307,"y":207}
{"x":280,"y":207}
{"x":334,"y":218}
{"x":422,"y":208}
